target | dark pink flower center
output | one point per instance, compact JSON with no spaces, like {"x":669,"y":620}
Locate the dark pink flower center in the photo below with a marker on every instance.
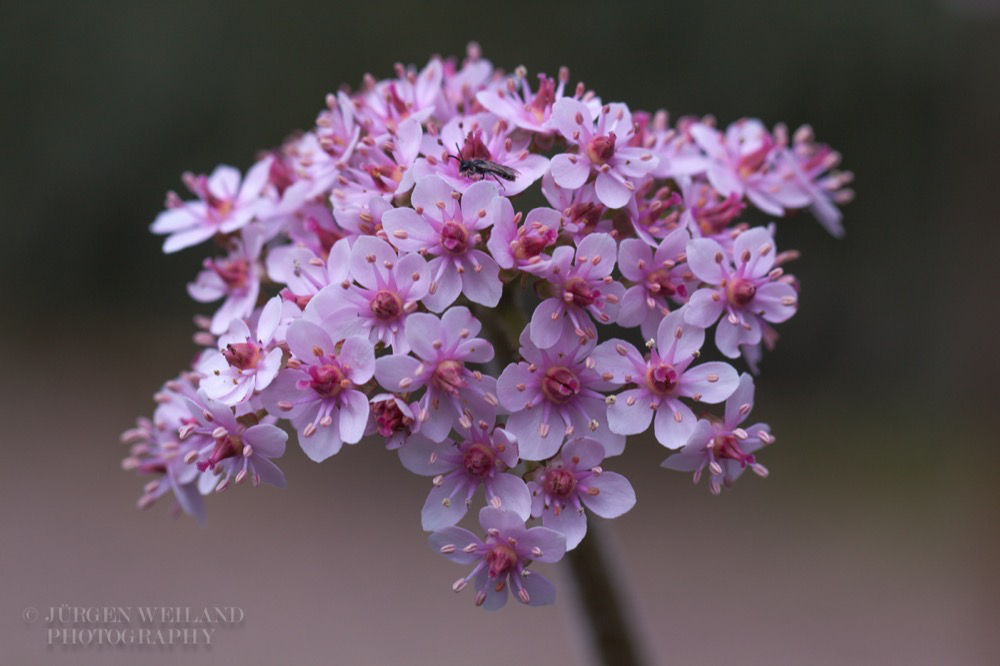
{"x":579,"y":293}
{"x":560,"y":483}
{"x":560,"y":384}
{"x":389,"y":418}
{"x":326,"y":237}
{"x":474,"y":148}
{"x":586,"y":215}
{"x":662,"y":378}
{"x":601,"y":148}
{"x":740,"y":292}
{"x":752,"y":162}
{"x":500,"y":560}
{"x":234,"y":272}
{"x":242,"y":355}
{"x":327,"y":380}
{"x":227,"y":446}
{"x":544,"y":98}
{"x":449,"y":376}
{"x":478,"y":460}
{"x":728,"y":447}
{"x":660,"y":282}
{"x":531,"y":242}
{"x":386,"y":305}
{"x":454,"y":238}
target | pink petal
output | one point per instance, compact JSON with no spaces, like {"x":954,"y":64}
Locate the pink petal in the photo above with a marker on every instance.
{"x":569,"y":171}
{"x":266,"y":440}
{"x":616,"y":495}
{"x":670,"y":432}
{"x":570,"y":522}
{"x":546,"y":331}
{"x":611,"y":191}
{"x":513,"y":495}
{"x":630,"y":419}
{"x":704,"y":308}
{"x":702,"y":254}
{"x":714,"y":382}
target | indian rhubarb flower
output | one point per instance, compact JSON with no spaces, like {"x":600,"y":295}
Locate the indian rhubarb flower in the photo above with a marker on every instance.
{"x":603,"y":149}
{"x":455,"y":394}
{"x":555,"y":394}
{"x":226,"y":203}
{"x":319,"y":390}
{"x":516,"y":244}
{"x":584,"y":288}
{"x":235,"y":277}
{"x":661,"y":280}
{"x":244,"y":362}
{"x":744,"y":287}
{"x":501,"y":558}
{"x":438,"y":225}
{"x":482,"y":456}
{"x":573,"y":480}
{"x":661,"y":379}
{"x":724,"y":446}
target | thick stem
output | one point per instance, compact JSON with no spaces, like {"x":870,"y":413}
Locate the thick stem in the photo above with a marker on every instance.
{"x":602,"y":612}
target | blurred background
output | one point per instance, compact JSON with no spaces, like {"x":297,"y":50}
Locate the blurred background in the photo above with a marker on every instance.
{"x":874,"y":541}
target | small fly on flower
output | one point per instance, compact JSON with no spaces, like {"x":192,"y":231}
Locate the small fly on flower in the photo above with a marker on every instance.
{"x":477,"y":169}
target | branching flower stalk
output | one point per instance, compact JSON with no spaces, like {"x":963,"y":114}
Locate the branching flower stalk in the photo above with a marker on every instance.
{"x":379,"y":278}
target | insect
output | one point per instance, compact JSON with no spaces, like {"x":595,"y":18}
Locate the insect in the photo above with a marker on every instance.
{"x":477,"y":169}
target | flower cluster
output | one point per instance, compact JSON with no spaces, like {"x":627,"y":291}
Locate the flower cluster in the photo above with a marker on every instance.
{"x":371,"y":276}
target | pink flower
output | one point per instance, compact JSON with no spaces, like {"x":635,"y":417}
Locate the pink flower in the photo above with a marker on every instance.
{"x":306,"y":274}
{"x":455,"y":394}
{"x":812,"y":164}
{"x":438,"y":225}
{"x":390,"y":288}
{"x":502,"y":557}
{"x":393,"y":419}
{"x":603,"y":150}
{"x":748,"y":292}
{"x":230,"y":450}
{"x":660,"y":278}
{"x":521,"y":245}
{"x":661,"y":378}
{"x":225,"y":204}
{"x":318,"y":390}
{"x":742,"y":162}
{"x":515,"y":102}
{"x":481,"y":457}
{"x":244,"y":363}
{"x":584,"y":288}
{"x":723,"y":446}
{"x":566,"y":484}
{"x":555,"y":394}
{"x":235,"y":278}
{"x":384,"y":105}
{"x":485,"y":138}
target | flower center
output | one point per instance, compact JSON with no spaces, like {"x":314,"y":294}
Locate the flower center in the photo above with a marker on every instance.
{"x":659,"y":282}
{"x":531,"y":242}
{"x":242,"y":355}
{"x":386,"y":305}
{"x":327,"y":380}
{"x":662,"y":378}
{"x":226,"y":446}
{"x":578,"y":292}
{"x":740,"y":292}
{"x":478,"y":460}
{"x":448,"y":377}
{"x":389,"y":418}
{"x":500,"y":560}
{"x":601,"y":148}
{"x":728,"y":447}
{"x":560,"y":384}
{"x":560,"y":482}
{"x":454,"y":238}
{"x":234,"y":272}
{"x":544,"y":98}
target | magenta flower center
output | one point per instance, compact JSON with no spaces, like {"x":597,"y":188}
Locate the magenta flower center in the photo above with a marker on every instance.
{"x":601,"y":148}
{"x":449,"y":377}
{"x":386,"y":305}
{"x":662,"y":378}
{"x":728,"y":447}
{"x":454,"y":238}
{"x":740,"y":292}
{"x":227,"y":446}
{"x":478,"y":460}
{"x":389,"y":418}
{"x":659,"y":282}
{"x":560,"y":384}
{"x":326,"y":237}
{"x":242,"y":355}
{"x":234,"y":272}
{"x":578,"y":292}
{"x":531,"y":242}
{"x":560,"y":483}
{"x":544,"y":98}
{"x":500,"y":560}
{"x":327,"y":380}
